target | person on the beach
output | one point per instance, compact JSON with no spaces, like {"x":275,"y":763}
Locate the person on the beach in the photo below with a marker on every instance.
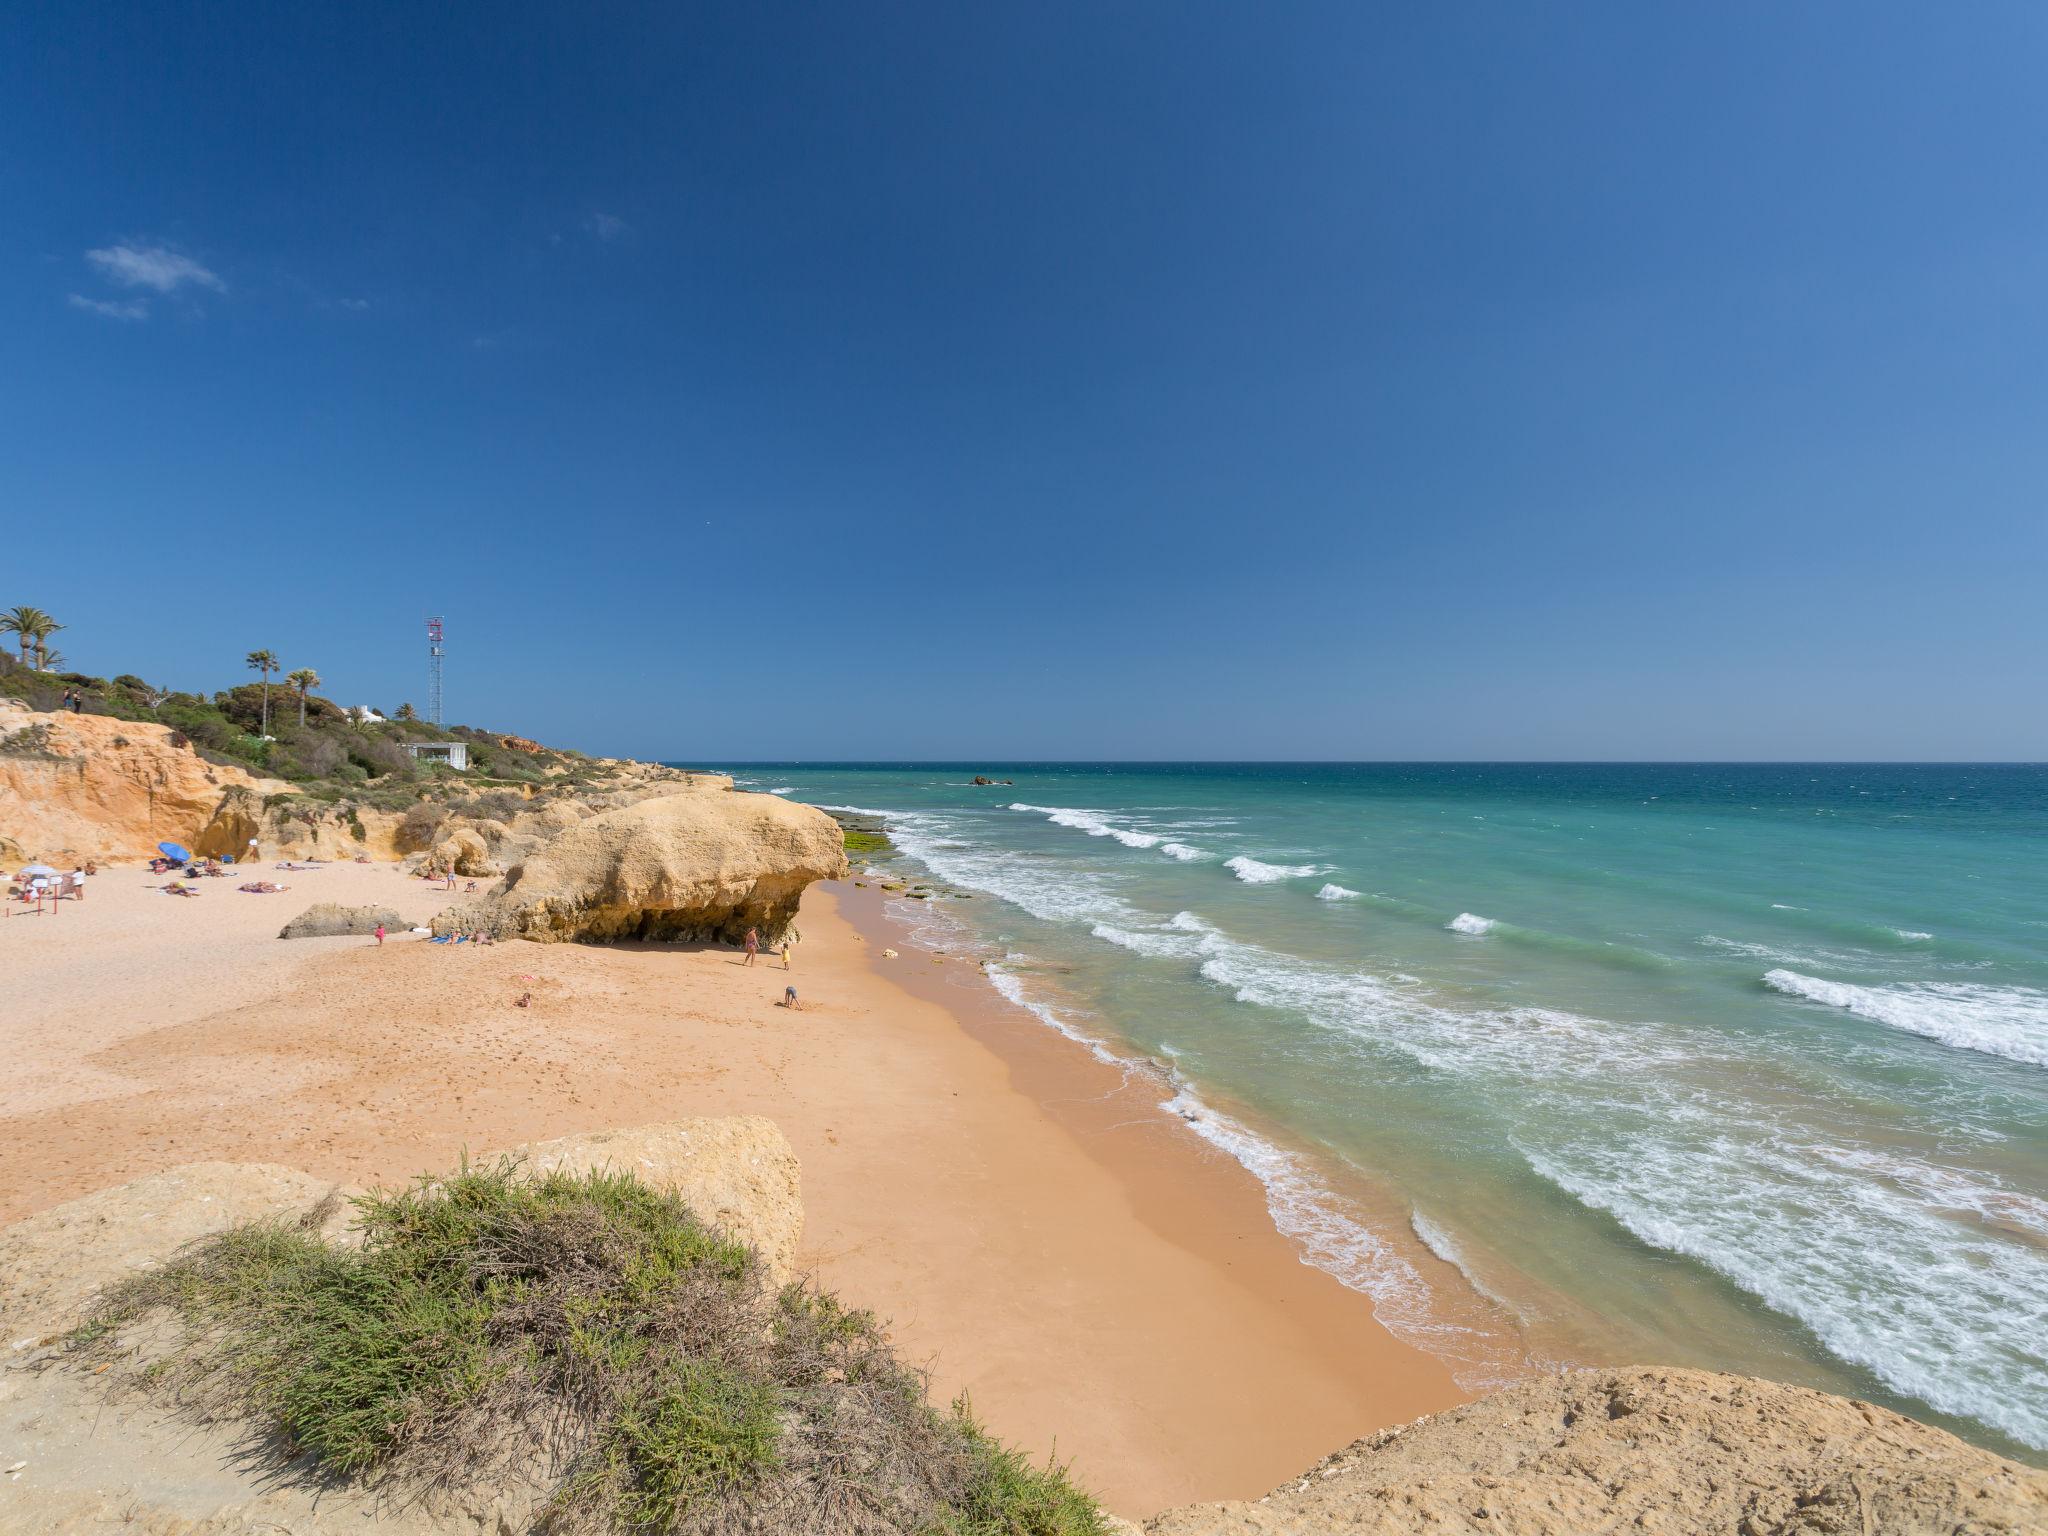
{"x":380,"y":935}
{"x":785,"y":954}
{"x":753,"y":945}
{"x":789,"y":997}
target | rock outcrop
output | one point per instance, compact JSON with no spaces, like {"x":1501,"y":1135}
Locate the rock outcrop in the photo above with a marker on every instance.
{"x":463,"y":852}
{"x":1646,"y":1449}
{"x":332,"y":920}
{"x":55,"y":1263}
{"x":75,"y":787}
{"x":293,"y":826}
{"x":678,"y":866}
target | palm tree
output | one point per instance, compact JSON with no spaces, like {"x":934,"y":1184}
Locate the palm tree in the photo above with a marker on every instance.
{"x":305,"y":679}
{"x":266,"y":663}
{"x":47,"y":660}
{"x":30,"y":627}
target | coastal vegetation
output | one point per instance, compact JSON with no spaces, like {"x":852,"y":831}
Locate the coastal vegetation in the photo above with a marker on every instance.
{"x":329,"y":753}
{"x":591,"y":1331}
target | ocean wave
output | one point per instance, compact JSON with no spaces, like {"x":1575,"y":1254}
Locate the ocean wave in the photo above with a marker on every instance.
{"x":1093,"y":823}
{"x":1615,"y":1115}
{"x":1306,"y":1210}
{"x":1440,"y":1242}
{"x":1999,"y":1021}
{"x":1337,"y":893}
{"x":1182,"y":852}
{"x":1468,"y":922}
{"x":1912,"y":935}
{"x":1013,"y":989}
{"x":1256,"y":872}
{"x":787,"y":789}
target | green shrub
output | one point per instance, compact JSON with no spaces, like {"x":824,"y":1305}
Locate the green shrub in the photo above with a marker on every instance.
{"x":491,"y":1310}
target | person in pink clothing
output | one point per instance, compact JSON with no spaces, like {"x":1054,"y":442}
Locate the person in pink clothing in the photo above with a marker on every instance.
{"x":380,"y":934}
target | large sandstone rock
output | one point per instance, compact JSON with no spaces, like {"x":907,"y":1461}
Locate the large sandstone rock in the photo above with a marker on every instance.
{"x":1646,"y":1449}
{"x":107,"y":789}
{"x":691,"y":865}
{"x":296,"y":827}
{"x":332,"y":920}
{"x":465,"y":851}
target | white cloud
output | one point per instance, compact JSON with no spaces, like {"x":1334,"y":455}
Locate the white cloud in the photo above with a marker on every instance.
{"x":355,"y":304}
{"x":151,"y":266}
{"x":112,"y":309}
{"x":607,"y":226}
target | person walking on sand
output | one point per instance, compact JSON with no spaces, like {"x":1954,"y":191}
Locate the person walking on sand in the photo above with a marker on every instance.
{"x":753,"y":945}
{"x":785,"y":954}
{"x":380,"y":935}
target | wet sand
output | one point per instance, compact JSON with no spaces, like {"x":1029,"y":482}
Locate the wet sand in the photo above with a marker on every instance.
{"x":1102,"y":1282}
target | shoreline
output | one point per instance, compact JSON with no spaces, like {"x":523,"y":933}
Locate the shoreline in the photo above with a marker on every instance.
{"x":1105,"y":1287}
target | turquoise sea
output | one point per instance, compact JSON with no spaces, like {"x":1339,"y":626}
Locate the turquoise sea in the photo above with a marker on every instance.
{"x":1743,"y":1066}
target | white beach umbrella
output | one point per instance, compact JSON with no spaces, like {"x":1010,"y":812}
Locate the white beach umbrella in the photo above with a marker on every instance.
{"x":36,"y":869}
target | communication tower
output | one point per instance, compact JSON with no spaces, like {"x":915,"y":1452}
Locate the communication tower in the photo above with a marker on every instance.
{"x":435,"y":651}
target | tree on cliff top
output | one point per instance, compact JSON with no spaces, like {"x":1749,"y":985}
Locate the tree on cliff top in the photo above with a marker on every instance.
{"x":32,"y":629}
{"x":305,"y":679}
{"x":265,"y":662}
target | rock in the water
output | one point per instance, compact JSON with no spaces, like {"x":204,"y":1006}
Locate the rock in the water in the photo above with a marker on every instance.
{"x":979,"y":779}
{"x":332,"y":920}
{"x":1646,"y":1449}
{"x":680,"y":866}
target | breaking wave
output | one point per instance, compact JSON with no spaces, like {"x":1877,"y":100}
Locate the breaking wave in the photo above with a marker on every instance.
{"x":1255,"y":872}
{"x":1337,"y":893}
{"x":1472,"y":923}
{"x":1091,"y":822}
{"x":1999,"y":1021}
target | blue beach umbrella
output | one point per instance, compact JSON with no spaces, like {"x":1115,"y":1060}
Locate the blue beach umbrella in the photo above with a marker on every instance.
{"x":173,"y":851}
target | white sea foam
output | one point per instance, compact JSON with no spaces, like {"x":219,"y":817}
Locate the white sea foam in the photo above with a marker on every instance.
{"x":1304,"y":1208}
{"x":787,"y":789}
{"x":1182,"y":852}
{"x":1911,"y":936}
{"x":1616,"y":1116}
{"x":1440,"y":1242}
{"x":1010,"y":986}
{"x":1256,"y":872}
{"x":2000,"y":1021}
{"x":1337,"y":893}
{"x":1468,"y":922}
{"x":1094,"y":823}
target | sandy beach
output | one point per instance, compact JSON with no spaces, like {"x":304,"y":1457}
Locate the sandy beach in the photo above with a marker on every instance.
{"x":1104,"y":1284}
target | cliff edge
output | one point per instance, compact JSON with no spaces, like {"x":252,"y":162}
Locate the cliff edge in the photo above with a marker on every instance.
{"x":1646,"y":1449}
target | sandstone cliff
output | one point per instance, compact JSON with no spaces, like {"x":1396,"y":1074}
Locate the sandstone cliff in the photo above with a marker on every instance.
{"x":1646,"y":1449}
{"x":678,"y":866}
{"x":75,"y":787}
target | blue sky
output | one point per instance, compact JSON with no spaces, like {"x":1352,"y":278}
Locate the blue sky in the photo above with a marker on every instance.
{"x":1093,"y":380}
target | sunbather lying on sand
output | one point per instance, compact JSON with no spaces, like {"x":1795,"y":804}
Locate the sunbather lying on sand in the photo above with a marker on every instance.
{"x":179,"y":888}
{"x":262,"y":888}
